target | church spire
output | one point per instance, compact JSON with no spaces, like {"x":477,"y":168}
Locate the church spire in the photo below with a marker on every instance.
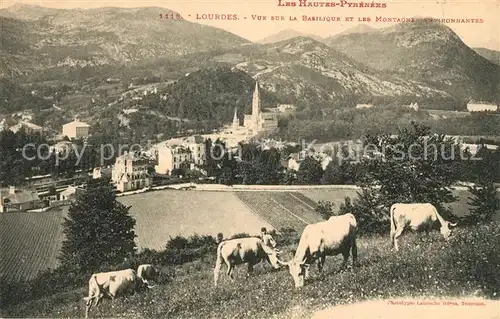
{"x":256,"y":105}
{"x":236,"y":122}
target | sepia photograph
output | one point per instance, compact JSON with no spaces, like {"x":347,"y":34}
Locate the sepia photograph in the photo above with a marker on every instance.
{"x":250,"y":159}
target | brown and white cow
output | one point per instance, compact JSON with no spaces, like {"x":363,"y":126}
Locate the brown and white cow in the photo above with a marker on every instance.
{"x":416,"y":216}
{"x":250,"y":251}
{"x":112,"y":284}
{"x":335,"y":236}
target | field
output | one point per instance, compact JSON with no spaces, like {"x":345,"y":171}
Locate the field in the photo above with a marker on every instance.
{"x":165,"y":214}
{"x":31,"y":241}
{"x":426,"y":267}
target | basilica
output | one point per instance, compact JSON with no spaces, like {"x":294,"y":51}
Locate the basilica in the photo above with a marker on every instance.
{"x":260,"y":121}
{"x":257,"y":122}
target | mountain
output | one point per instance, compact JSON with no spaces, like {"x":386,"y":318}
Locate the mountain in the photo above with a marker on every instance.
{"x":427,"y":52}
{"x":28,"y":11}
{"x":304,"y":71}
{"x":86,"y":38}
{"x":360,"y":28}
{"x":287,"y":34}
{"x":492,"y":55}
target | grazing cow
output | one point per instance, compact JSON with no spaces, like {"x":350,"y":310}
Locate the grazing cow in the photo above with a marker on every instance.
{"x":416,"y":216}
{"x":238,"y":251}
{"x":335,"y":236}
{"x":112,"y":284}
{"x":147,"y":272}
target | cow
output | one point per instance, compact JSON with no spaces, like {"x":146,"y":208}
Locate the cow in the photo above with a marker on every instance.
{"x":335,"y":236}
{"x":250,"y":251}
{"x":147,"y":272}
{"x":112,"y":284}
{"x":416,"y":216}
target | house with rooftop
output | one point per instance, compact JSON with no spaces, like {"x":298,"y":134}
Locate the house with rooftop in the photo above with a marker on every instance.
{"x":76,"y":129}
{"x":18,"y":199}
{"x":130,"y":172}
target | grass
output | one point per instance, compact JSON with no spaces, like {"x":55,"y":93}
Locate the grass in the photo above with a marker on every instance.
{"x":426,"y":266}
{"x":31,"y":241}
{"x":165,"y":214}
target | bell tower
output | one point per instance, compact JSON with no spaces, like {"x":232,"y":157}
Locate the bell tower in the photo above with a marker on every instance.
{"x":256,"y":107}
{"x":236,"y":122}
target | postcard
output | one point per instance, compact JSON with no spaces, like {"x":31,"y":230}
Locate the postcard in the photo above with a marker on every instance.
{"x":250,"y":159}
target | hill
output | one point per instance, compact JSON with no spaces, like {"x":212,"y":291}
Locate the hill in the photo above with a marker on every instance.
{"x":420,"y":271}
{"x":427,"y":52}
{"x":360,"y":28}
{"x":288,"y":34}
{"x":304,"y":71}
{"x":492,"y":55}
{"x":14,"y":98}
{"x":28,"y":11}
{"x":210,"y":95}
{"x":84,"y":38}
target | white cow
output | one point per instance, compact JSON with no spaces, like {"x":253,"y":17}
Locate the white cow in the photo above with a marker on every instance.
{"x":111,"y":283}
{"x":415,"y":216}
{"x":335,"y":236}
{"x":147,"y":272}
{"x":250,"y":251}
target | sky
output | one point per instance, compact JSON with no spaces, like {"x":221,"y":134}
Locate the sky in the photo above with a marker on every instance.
{"x":485,"y":34}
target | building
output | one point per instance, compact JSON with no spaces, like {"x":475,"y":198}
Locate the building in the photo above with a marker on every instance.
{"x":413,"y":106}
{"x":28,"y":127}
{"x":14,"y":199}
{"x":76,"y":129}
{"x":196,"y":144}
{"x":364,"y":106}
{"x":481,"y":106}
{"x":130,"y":172}
{"x":259,"y":120}
{"x":102,"y":172}
{"x":169,"y":158}
{"x":294,"y":160}
{"x":286,"y":108}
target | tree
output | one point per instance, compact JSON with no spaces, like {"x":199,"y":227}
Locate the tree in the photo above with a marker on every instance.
{"x":310,"y":171}
{"x":99,"y":230}
{"x":485,"y":202}
{"x":414,"y":166}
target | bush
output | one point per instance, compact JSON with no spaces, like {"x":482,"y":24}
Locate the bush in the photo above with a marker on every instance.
{"x":370,"y":216}
{"x":180,"y":250}
{"x":325,"y":209}
{"x":286,"y":236}
{"x":485,"y":202}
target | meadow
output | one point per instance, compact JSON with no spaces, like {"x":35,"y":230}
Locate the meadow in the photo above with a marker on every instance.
{"x":426,"y":267}
{"x":31,"y":241}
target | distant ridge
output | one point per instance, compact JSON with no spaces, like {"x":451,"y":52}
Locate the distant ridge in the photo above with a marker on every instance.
{"x":492,"y":55}
{"x":288,"y":34}
{"x":360,"y":28}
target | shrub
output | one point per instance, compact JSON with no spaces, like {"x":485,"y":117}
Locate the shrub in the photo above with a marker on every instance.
{"x":325,"y":209}
{"x":370,"y":215}
{"x":180,"y":250}
{"x":485,"y":202}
